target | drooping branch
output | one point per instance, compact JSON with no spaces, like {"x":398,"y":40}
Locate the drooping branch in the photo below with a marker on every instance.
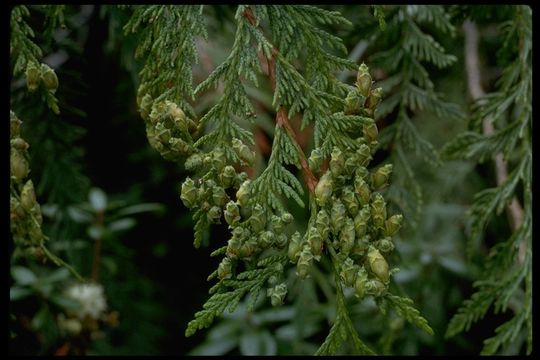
{"x":282,"y":119}
{"x":514,"y":210}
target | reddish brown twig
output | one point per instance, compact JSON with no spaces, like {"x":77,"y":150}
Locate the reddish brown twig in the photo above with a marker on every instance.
{"x":282,"y":119}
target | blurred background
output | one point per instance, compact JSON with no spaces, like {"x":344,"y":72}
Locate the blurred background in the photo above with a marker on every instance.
{"x":99,"y":182}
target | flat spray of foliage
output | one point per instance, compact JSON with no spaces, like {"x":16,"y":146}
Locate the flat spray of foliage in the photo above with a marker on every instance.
{"x":348,"y":225}
{"x":506,"y":281}
{"x":404,"y":51}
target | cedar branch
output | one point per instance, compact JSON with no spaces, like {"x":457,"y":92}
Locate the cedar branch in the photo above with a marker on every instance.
{"x":282,"y":119}
{"x":514,"y":209}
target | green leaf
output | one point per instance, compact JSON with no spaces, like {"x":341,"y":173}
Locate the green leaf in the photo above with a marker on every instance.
{"x":269,"y":346}
{"x":250,"y":343}
{"x":49,"y":210}
{"x":122,"y":224}
{"x":57,"y":275}
{"x":141,"y":208}
{"x":254,"y":342}
{"x":23,"y":276}
{"x":282,"y":313}
{"x":44,"y":288}
{"x":95,"y":232}
{"x":453,"y":264}
{"x":41,"y":318}
{"x":98,"y":199}
{"x":79,"y":215}
{"x":18,"y":293}
{"x":290,"y":331}
{"x":220,"y":346}
{"x":65,"y":302}
{"x":225,"y":329}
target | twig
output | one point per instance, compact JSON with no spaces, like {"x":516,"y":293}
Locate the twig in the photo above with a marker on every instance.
{"x":282,"y":119}
{"x":514,"y":210}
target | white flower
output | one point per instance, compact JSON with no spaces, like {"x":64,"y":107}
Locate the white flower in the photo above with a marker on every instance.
{"x":91,"y":298}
